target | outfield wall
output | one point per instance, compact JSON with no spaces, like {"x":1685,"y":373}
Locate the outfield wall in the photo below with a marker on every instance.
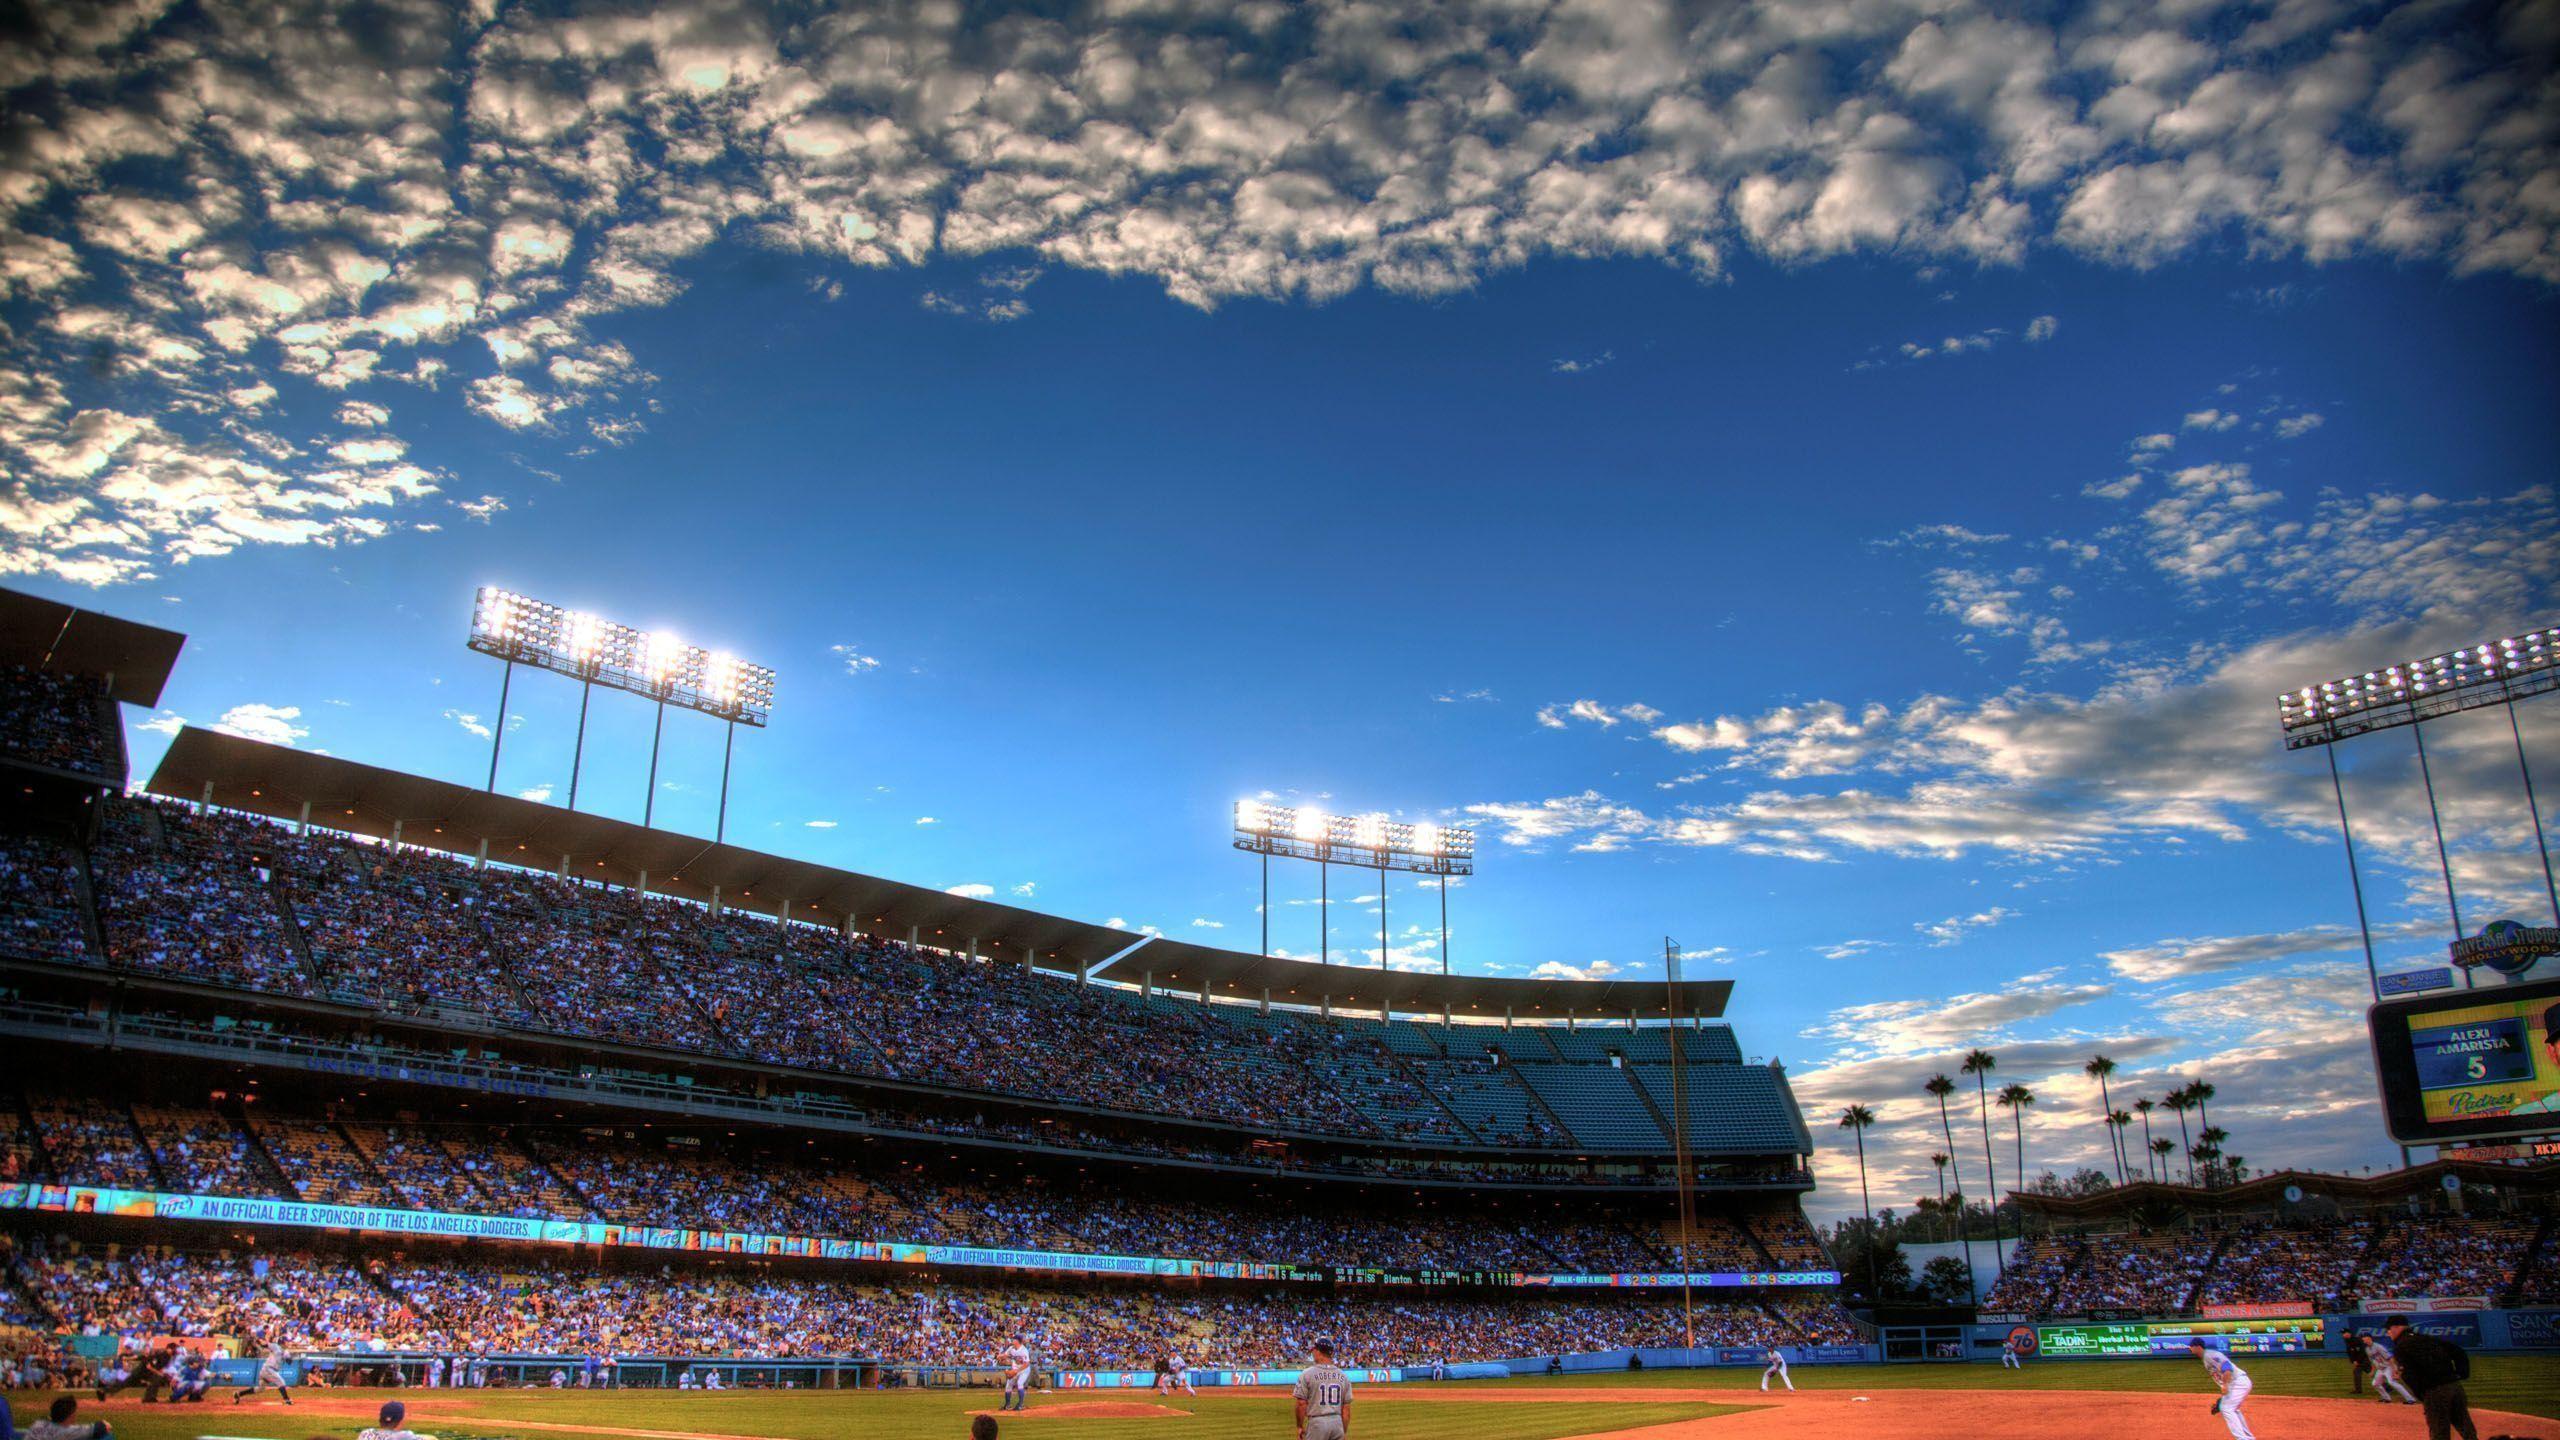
{"x":2528,"y":1331}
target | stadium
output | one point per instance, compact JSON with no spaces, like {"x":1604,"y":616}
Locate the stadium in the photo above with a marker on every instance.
{"x":1279,"y":719}
{"x":351,"y":1079}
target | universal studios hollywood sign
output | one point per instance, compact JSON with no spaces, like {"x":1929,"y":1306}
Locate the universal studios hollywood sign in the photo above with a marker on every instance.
{"x":2508,"y":947}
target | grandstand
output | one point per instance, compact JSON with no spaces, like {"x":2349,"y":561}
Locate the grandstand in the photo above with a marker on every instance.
{"x":423,"y":1061}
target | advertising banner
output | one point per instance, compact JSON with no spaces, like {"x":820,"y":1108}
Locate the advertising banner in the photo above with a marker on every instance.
{"x":236,"y":1210}
{"x":2424,"y":1304}
{"x":2462,"y":1330}
{"x":2534,"y":1329}
{"x":2261,"y":1310}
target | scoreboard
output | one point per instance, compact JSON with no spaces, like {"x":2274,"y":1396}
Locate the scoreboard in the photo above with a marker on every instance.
{"x":2134,"y":1338}
{"x":2478,"y":1064}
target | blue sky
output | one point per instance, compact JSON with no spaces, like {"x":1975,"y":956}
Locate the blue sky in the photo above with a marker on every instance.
{"x":1854,"y":520}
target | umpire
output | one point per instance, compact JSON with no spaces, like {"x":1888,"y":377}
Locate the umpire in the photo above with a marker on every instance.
{"x":2435,"y":1369}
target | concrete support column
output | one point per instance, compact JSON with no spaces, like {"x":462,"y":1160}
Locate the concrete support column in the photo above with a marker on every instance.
{"x":1266,"y":1000}
{"x":303,"y":827}
{"x":973,"y":949}
{"x":1327,"y":1007}
{"x":1147,"y":985}
{"x":1506,"y":1017}
{"x":715,"y":899}
{"x":479,"y":861}
{"x":564,"y":864}
{"x":644,"y":885}
{"x":207,"y":802}
{"x":915,"y":936}
{"x":1572,"y":1021}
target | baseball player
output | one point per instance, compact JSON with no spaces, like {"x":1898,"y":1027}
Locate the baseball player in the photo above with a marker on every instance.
{"x":391,"y":1424}
{"x":2232,"y":1381}
{"x":2386,"y":1372}
{"x":1323,"y":1396}
{"x":1017,"y":1375}
{"x":194,"y":1378}
{"x":270,"y":1375}
{"x":1181,"y":1372}
{"x":1777,"y":1366}
{"x":2009,"y":1357}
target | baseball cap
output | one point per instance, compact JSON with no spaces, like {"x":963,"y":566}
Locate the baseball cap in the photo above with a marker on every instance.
{"x":393,"y":1412}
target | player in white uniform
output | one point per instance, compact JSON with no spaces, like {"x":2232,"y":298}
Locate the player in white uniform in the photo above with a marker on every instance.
{"x":2009,"y":1358}
{"x":1181,"y":1372}
{"x":270,"y":1375}
{"x":1777,"y":1366}
{"x":2386,"y":1371}
{"x":1017,"y":1375}
{"x":1323,"y":1396}
{"x":2232,"y":1381}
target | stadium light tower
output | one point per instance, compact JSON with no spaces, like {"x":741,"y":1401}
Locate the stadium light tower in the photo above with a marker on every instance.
{"x":1372,"y":842}
{"x":654,"y":665}
{"x":2495,"y":672}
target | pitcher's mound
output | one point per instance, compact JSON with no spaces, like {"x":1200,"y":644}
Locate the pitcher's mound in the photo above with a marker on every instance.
{"x":1088,"y":1410}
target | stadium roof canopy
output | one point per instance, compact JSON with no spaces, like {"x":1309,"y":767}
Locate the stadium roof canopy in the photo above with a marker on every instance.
{"x":49,"y":635}
{"x":344,"y":795}
{"x":1178,"y":965}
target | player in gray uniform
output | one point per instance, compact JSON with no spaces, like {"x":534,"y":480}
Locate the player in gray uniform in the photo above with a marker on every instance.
{"x":270,"y":1375}
{"x":1324,"y":1397}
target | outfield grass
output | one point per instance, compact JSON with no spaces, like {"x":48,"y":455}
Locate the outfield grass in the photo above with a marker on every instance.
{"x":2527,"y":1385}
{"x":862,"y":1415}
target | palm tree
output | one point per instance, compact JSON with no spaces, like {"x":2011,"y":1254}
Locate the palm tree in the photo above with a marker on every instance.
{"x":2117,"y":1122}
{"x":1979,"y":1064}
{"x":1855,"y":1119}
{"x":2161,"y":1147}
{"x":2015,"y":1098}
{"x":1939,"y":1159}
{"x":1939,"y":1088}
{"x":2144,"y":1107}
{"x":2238,"y":1167}
{"x":2098,"y":1069}
{"x":2209,"y":1148}
{"x":2182,"y":1102}
{"x":2201,"y":1092}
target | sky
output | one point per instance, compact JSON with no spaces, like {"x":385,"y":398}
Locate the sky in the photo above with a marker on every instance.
{"x":1838,"y":484}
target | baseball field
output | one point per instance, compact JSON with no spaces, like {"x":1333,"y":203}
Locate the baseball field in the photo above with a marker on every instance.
{"x":2295,"y":1400}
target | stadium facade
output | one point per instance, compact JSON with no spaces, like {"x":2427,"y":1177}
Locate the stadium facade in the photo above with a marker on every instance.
{"x":368,"y":1065}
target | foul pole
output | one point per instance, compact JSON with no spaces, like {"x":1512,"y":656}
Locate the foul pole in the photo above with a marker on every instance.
{"x":1680,"y":1136}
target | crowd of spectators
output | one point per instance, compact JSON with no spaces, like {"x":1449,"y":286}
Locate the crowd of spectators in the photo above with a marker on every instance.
{"x":210,"y":895}
{"x":2446,"y":1255}
{"x":307,"y":1301}
{"x":40,"y":899}
{"x":2328,"y":1261}
{"x":56,"y":721}
{"x":2264,"y":1263}
{"x":185,"y":894}
{"x":687,"y":1181}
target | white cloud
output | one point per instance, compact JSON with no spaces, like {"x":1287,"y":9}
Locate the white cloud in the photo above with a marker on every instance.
{"x":470,"y":723}
{"x":2042,"y":328}
{"x":971,"y":891}
{"x":165,"y":722}
{"x":2211,"y":420}
{"x":229,"y":216}
{"x":927,"y":820}
{"x":1203,"y":923}
{"x":1025,"y":889}
{"x":1943,"y":933}
{"x":2294,"y":427}
{"x":484,"y":509}
{"x":1559,"y":970}
{"x":819,"y":824}
{"x":273,"y":724}
{"x":855,"y":662}
{"x":536,"y":793}
{"x":1582,"y":365}
{"x":1849,"y":949}
{"x":1460,"y":697}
